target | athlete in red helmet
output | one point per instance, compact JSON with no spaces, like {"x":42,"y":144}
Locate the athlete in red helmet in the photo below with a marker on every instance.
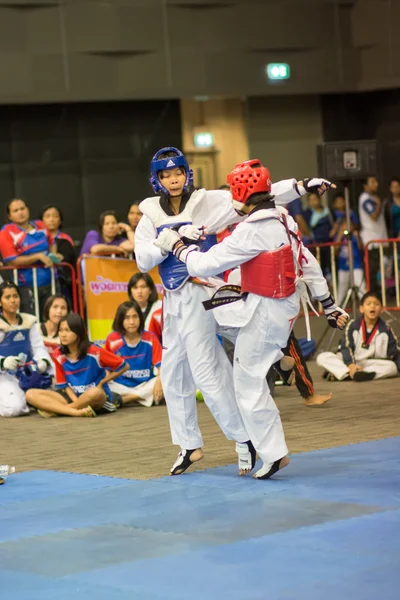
{"x":273,"y":264}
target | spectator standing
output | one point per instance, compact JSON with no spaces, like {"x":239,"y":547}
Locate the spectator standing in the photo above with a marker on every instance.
{"x":295,"y":210}
{"x":373,"y":225}
{"x":134,"y":215}
{"x":338,"y":235}
{"x":26,"y":243}
{"x":319,"y":221}
{"x":108,"y":239}
{"x":53,"y":219}
{"x":394,"y":207}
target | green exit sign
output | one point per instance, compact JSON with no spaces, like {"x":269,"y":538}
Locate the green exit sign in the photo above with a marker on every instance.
{"x":278,"y":71}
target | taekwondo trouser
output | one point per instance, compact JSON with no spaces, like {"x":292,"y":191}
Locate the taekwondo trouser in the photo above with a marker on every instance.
{"x":258,"y":347}
{"x":335,"y":365}
{"x":194,"y":359}
{"x":143,"y":390}
{"x":12,"y":398}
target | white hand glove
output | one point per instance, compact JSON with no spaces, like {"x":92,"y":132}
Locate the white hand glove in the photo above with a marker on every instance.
{"x":333,"y":312}
{"x":167,"y":239}
{"x":190,"y":232}
{"x":182,"y":252}
{"x":42,"y":365}
{"x":315,"y":185}
{"x":10,"y":363}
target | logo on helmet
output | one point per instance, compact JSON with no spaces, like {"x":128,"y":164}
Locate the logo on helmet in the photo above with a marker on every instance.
{"x":170,"y":163}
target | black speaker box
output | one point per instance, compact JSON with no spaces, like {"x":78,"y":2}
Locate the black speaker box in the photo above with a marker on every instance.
{"x":343,"y":161}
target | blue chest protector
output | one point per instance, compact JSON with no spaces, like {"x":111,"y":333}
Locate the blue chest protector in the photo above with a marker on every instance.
{"x":172,"y":271}
{"x":15,"y":342}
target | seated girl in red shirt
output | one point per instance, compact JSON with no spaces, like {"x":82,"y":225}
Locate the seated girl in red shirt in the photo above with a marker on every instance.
{"x":142,"y":351}
{"x":81,"y":375}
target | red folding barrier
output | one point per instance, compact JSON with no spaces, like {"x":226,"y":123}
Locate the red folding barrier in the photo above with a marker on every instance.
{"x":384,"y":279}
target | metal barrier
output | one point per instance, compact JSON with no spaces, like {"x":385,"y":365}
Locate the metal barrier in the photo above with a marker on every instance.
{"x":15,"y":270}
{"x":380,"y":244}
{"x":333,"y":246}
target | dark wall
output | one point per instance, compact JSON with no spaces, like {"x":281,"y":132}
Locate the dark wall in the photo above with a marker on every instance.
{"x":86,"y":158}
{"x":372,"y":115}
{"x":84,"y":50}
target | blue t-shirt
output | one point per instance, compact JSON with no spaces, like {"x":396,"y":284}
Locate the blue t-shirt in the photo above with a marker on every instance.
{"x":141,"y":358}
{"x":87,"y":372}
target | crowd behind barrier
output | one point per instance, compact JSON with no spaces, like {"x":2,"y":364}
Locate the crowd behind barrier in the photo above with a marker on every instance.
{"x":389,"y":284}
{"x":103,"y":278}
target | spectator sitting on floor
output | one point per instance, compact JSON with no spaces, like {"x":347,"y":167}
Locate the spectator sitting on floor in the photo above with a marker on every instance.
{"x":368,"y":349}
{"x":142,"y":351}
{"x":142,"y":290}
{"x":55,"y":309}
{"x":20,"y":343}
{"x":156,"y":324}
{"x":108,"y":238}
{"x":81,"y":377}
{"x":26,"y":243}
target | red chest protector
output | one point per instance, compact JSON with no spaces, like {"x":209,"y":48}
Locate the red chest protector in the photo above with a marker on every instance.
{"x":271,"y":274}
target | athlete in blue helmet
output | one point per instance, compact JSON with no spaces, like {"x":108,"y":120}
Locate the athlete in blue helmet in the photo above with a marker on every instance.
{"x":193,"y":358}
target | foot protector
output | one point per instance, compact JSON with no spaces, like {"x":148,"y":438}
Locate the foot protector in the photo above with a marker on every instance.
{"x":247,"y":457}
{"x":267,"y":471}
{"x":364,"y":375}
{"x":185,"y":459}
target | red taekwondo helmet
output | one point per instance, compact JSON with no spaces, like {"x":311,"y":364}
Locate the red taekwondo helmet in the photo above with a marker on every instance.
{"x":246,"y":179}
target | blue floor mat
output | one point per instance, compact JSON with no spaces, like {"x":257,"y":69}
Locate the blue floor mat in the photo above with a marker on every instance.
{"x":326,"y":527}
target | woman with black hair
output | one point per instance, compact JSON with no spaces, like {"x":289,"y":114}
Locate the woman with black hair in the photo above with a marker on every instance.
{"x":55,"y":309}
{"x":20,"y":345}
{"x":142,"y":290}
{"x":142,"y":351}
{"x":81,"y":377}
{"x":53,"y":220}
{"x":108,"y":239}
{"x":26,"y":243}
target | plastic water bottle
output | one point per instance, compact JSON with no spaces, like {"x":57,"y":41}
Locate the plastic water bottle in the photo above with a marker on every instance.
{"x":22,"y":358}
{"x":5,"y":470}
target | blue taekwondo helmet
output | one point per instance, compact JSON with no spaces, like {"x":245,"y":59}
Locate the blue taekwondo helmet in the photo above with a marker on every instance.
{"x":171,"y":162}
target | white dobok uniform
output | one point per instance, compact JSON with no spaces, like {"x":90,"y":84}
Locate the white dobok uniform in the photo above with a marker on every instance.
{"x":265,"y":322}
{"x":381,"y":356}
{"x":14,"y":339}
{"x":192,"y":357}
